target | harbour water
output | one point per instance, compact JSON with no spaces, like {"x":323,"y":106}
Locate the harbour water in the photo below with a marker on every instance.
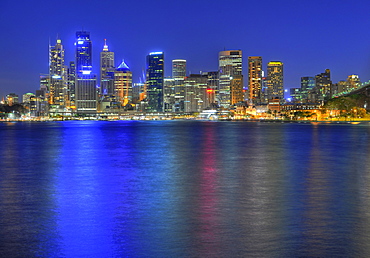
{"x":184,"y":189}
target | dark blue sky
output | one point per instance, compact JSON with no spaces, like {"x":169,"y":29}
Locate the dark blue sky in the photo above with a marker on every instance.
{"x":308,"y":36}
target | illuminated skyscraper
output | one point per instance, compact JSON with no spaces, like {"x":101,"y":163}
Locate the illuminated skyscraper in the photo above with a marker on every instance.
{"x":71,"y":82}
{"x":123,"y":84}
{"x":179,"y":74}
{"x":106,"y":71}
{"x":274,"y":80}
{"x":85,"y":87}
{"x":57,"y":75}
{"x":230,"y":68}
{"x":255,"y":78}
{"x":155,"y":81}
{"x":195,"y":92}
{"x":212,"y":89}
{"x":323,"y":85}
{"x":83,"y":53}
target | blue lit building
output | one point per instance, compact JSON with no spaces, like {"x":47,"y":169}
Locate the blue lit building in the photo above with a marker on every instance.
{"x":155,"y":81}
{"x":83,"y":52}
{"x":85,"y":87}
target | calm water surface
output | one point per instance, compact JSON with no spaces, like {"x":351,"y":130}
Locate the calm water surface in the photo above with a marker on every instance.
{"x":184,"y":189}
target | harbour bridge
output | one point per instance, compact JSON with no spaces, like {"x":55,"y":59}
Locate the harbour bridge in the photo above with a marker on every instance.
{"x":364,"y":89}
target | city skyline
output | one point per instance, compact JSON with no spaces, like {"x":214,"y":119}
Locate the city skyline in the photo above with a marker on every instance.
{"x":307,"y":38}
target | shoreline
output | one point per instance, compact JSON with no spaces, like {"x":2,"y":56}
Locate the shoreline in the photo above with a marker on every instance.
{"x":195,"y":119}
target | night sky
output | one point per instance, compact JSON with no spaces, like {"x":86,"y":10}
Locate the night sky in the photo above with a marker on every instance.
{"x":307,"y":36}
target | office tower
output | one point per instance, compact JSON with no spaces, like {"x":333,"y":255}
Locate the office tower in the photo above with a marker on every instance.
{"x":85,"y":87}
{"x":230,"y":68}
{"x":307,"y":86}
{"x":255,"y":79}
{"x":57,"y":83}
{"x":195,"y":92}
{"x":71,"y":81}
{"x":123,"y":84}
{"x":169,"y":95}
{"x":154,"y":81}
{"x":274,"y":80}
{"x":106,"y":70}
{"x":83,"y":53}
{"x":179,"y":74}
{"x":323,"y":85}
{"x":212,"y":89}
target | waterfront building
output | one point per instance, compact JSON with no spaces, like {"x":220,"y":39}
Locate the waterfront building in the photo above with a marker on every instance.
{"x":275,"y":80}
{"x":123,"y":84}
{"x":57,"y":75}
{"x":155,"y":81}
{"x":230,"y":68}
{"x":85,"y":87}
{"x":106,"y":71}
{"x":179,"y":74}
{"x":255,"y":79}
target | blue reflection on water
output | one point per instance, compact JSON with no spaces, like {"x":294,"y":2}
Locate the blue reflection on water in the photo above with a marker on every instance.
{"x":172,"y":188}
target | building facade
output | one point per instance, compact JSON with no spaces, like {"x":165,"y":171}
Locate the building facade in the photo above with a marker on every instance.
{"x":275,"y":80}
{"x":106,"y":71}
{"x":123,"y":84}
{"x":85,"y":86}
{"x":255,"y":79}
{"x":178,"y":75}
{"x":230,"y":68}
{"x":57,"y":75}
{"x":155,"y":81}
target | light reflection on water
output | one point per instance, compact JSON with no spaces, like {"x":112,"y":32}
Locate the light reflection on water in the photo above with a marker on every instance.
{"x":184,"y":188}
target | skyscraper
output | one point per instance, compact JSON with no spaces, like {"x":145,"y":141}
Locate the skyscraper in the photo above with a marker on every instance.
{"x":123,"y":84}
{"x":230,"y":68}
{"x":83,"y":53}
{"x":179,"y":74}
{"x":323,"y":85}
{"x":275,"y":80}
{"x":106,"y":70}
{"x":255,"y":79}
{"x":85,"y":87}
{"x":57,"y":75}
{"x":155,"y":81}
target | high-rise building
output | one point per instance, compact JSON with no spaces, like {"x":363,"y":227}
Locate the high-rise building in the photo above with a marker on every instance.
{"x":212,"y":89}
{"x":106,"y":70}
{"x":275,"y":80}
{"x":230,"y":68}
{"x":57,"y":75}
{"x":155,"y":81}
{"x":255,"y":79}
{"x":179,"y":74}
{"x":123,"y":84}
{"x":307,"y":86}
{"x":71,"y":81}
{"x":85,"y":87}
{"x":323,"y":85}
{"x":169,"y":95}
{"x":83,"y":53}
{"x":195,"y":92}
